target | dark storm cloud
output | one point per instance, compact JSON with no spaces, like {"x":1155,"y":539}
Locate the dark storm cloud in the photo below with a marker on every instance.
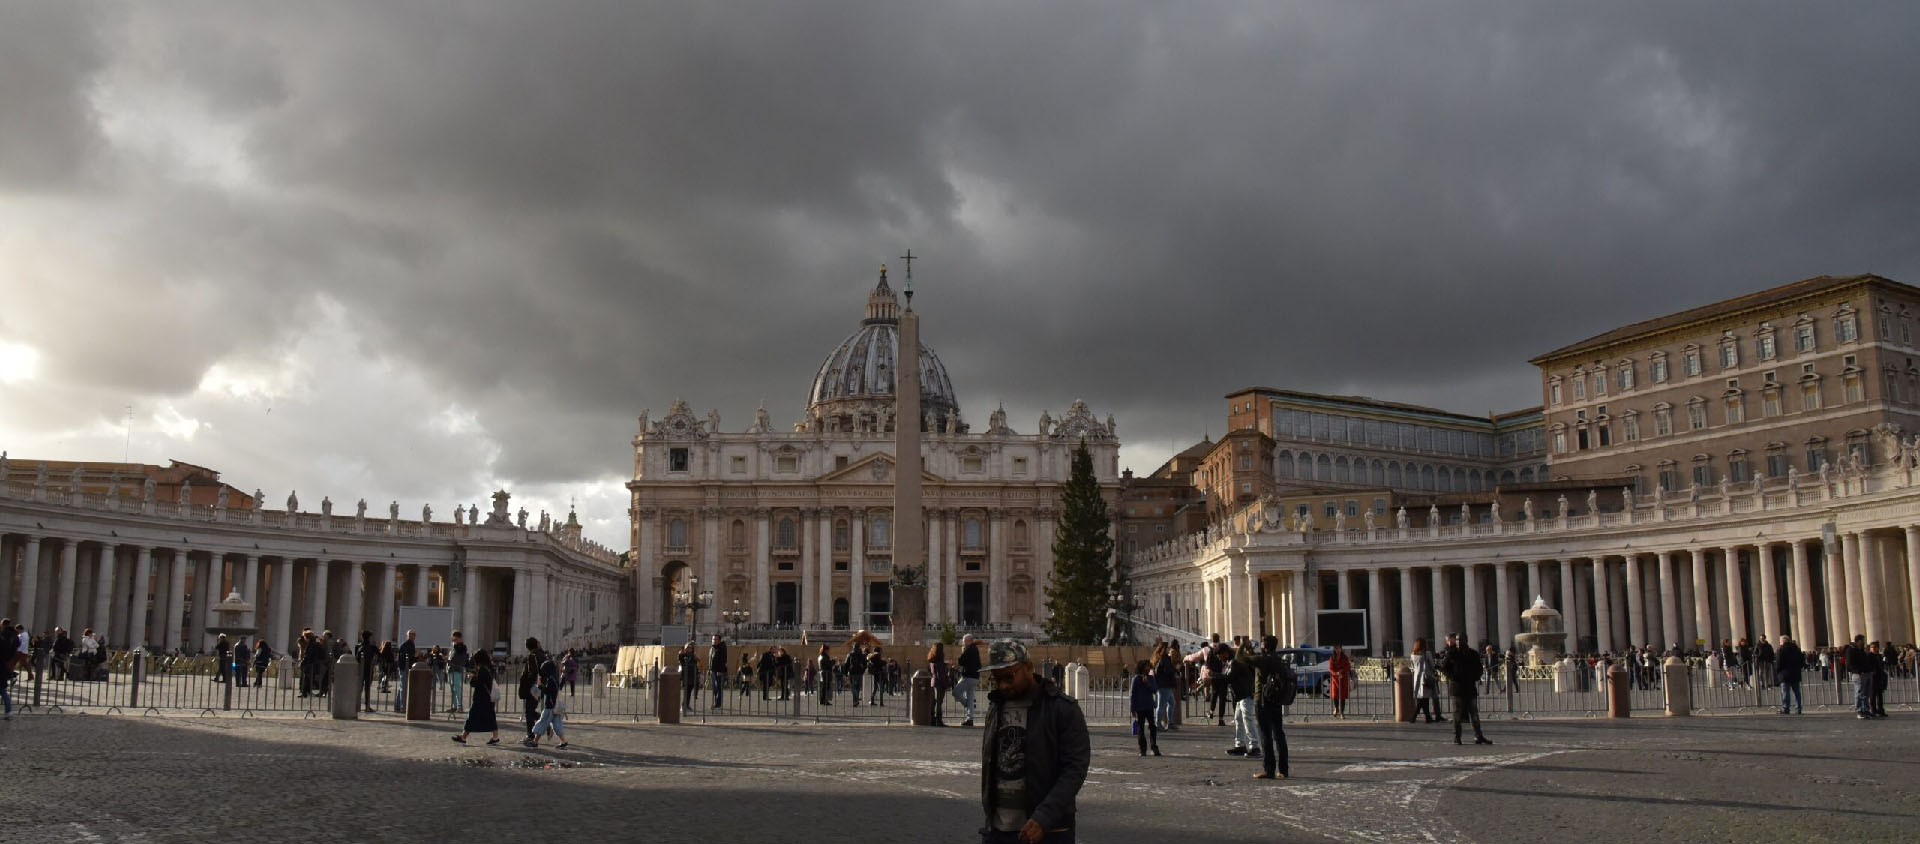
{"x":566,"y":213}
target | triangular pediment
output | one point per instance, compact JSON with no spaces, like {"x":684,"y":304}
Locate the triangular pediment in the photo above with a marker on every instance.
{"x":873,"y":469}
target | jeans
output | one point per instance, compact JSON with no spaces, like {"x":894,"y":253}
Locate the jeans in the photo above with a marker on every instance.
{"x":240,"y":672}
{"x":458,"y":684}
{"x":963,"y":693}
{"x":1790,"y":692}
{"x":1863,"y":694}
{"x":853,"y":685}
{"x":994,"y":836}
{"x":879,"y":696}
{"x":550,"y":719}
{"x":719,"y":686}
{"x":1273,"y":739}
{"x":1164,"y":713}
{"x":1246,"y":729}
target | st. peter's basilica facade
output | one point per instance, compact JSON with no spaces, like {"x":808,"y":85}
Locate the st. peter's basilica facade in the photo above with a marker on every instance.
{"x":795,"y":528}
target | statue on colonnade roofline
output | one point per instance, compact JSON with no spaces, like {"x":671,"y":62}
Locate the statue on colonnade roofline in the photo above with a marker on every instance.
{"x":1340,"y":520}
{"x":146,"y":490}
{"x":113,"y":483}
{"x":1562,"y":512}
{"x":523,"y":518}
{"x":1400,"y":518}
{"x":73,"y":480}
{"x":360,"y":509}
{"x":5,"y":466}
{"x":40,"y":477}
{"x":1494,"y":511}
{"x":1793,"y":479}
{"x":1659,"y":495}
{"x":326,"y":506}
{"x":186,"y":493}
{"x":1726,"y":487}
{"x":1466,"y":514}
{"x":1693,"y":493}
{"x":1593,"y":501}
{"x":1526,"y":508}
{"x":393,"y":511}
{"x":1369,"y":520}
{"x":459,"y":514}
{"x":1433,"y":515}
{"x":473,"y":515}
{"x":426,"y":514}
{"x":293,"y":501}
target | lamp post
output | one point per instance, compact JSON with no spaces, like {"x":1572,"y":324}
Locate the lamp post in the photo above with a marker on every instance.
{"x":736,"y":617}
{"x":693,"y":601}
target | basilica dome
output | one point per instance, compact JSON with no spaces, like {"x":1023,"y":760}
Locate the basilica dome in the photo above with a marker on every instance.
{"x":854,"y":387}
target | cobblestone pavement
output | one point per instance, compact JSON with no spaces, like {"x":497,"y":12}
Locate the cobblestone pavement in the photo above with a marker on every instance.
{"x":96,"y":778}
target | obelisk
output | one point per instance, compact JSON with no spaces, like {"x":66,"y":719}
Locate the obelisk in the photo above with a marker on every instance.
{"x":909,"y":602}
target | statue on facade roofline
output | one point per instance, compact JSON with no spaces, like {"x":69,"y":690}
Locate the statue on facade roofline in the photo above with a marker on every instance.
{"x":393,"y":511}
{"x":326,"y":506}
{"x":459,"y":514}
{"x":426,"y":514}
{"x":1433,"y":515}
{"x":713,"y":421}
{"x":1562,"y":512}
{"x":74,"y":480}
{"x":1626,"y":498}
{"x":186,"y":493}
{"x":1493,"y":511}
{"x":523,"y":518}
{"x":360,"y":509}
{"x":146,"y":490}
{"x":1340,"y":520}
{"x":1526,"y":508}
{"x":1369,"y":520}
{"x":40,"y":477}
{"x":1046,"y":423}
{"x":643,"y":419}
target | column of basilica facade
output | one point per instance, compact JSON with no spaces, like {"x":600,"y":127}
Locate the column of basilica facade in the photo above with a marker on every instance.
{"x":1819,"y":562}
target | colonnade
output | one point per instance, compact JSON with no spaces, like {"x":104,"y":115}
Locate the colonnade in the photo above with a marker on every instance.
{"x":1820,"y":592}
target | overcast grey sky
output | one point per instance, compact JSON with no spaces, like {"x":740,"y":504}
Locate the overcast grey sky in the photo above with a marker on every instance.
{"x":415,"y":251}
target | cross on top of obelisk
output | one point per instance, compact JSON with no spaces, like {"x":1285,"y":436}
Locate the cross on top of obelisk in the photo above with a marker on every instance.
{"x":909,"y":258}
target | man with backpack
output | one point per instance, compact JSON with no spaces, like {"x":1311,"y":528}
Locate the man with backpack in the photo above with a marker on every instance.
{"x":1216,"y":658}
{"x":1276,"y":688}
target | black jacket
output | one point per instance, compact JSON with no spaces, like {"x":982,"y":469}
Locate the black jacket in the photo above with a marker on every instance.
{"x":856,"y":663}
{"x":1058,"y":753}
{"x":717,"y":657}
{"x":969,"y":662}
{"x":1463,"y":668}
{"x":1788,"y":662}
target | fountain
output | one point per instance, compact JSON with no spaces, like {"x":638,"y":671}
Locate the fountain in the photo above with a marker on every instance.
{"x":229,"y":612}
{"x":1546,"y":635}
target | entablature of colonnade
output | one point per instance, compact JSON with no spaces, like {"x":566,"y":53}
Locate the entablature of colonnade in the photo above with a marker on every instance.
{"x":1738,"y":515}
{"x":432,"y":543}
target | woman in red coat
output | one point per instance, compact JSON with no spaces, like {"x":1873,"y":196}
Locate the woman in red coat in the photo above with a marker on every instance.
{"x":1340,"y":676}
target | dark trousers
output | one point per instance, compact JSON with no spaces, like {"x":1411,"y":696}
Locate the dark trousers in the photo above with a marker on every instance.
{"x":1464,"y":708}
{"x":1430,"y":706}
{"x":1146,"y":730}
{"x":719,"y":686}
{"x":690,"y":681}
{"x":1220,"y":701}
{"x":1273,"y":739}
{"x":532,"y":715}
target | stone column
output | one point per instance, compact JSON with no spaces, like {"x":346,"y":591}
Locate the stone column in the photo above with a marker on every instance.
{"x":1602,"y":605}
{"x":1867,"y":574}
{"x":357,"y":589}
{"x":823,"y":596}
{"x":540,"y":604}
{"x":1302,"y":608}
{"x":1803,"y":608}
{"x":1343,"y":583}
{"x":1408,"y":625}
{"x":420,"y":581}
{"x":1670,"y":627}
{"x":857,"y":574}
{"x":1636,"y":622}
{"x":29,"y":583}
{"x":68,"y":573}
{"x":1852,"y":558}
{"x":284,"y":628}
{"x":1476,"y":617}
{"x":1536,"y":588}
{"x":1702,"y":598}
{"x":953,"y":563}
{"x":1437,"y":577}
{"x":1913,"y":576}
{"x":318,"y":574}
{"x":935,"y":576}
{"x":205,"y":572}
{"x":523,"y":612}
{"x":470,"y":620}
{"x":762,"y":567}
{"x":1763,"y":557}
{"x":1376,"y":613}
{"x":1570,"y":610}
{"x":1503,"y":592}
{"x":103,"y":591}
{"x":1838,"y":624}
{"x":1736,"y":595}
{"x":997,"y":568}
{"x":136,"y":635}
{"x":176,"y":600}
{"x":709,"y":562}
{"x":250,"y":592}
{"x":385,"y":625}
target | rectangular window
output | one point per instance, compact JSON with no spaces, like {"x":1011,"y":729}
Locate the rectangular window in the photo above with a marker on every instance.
{"x":1379,"y":506}
{"x":1560,"y":442}
{"x":1776,"y":465}
{"x":1632,"y":429}
{"x":1770,"y":403}
{"x":1019,"y":467}
{"x":1736,"y":410}
{"x":1625,"y":377}
{"x":1729,"y":356}
{"x":786,"y":463}
{"x":739,"y":464}
{"x":1658,"y":370}
{"x":1816,"y":457}
{"x":1332,"y":510}
{"x":1853,"y":391}
{"x":1599,"y":383}
{"x":677,"y":460}
{"x":839,"y":461}
{"x":1353,"y":507}
{"x":1810,"y":396}
{"x":1690,"y":362}
{"x":1737,"y":471}
{"x":970,"y":465}
{"x":1669,"y":479}
{"x":1845,"y":330}
{"x":1662,"y":422}
{"x":1696,"y":416}
{"x":1246,"y":487}
{"x":1553,"y":392}
{"x":1702,"y":475}
{"x":1246,"y":461}
{"x":1803,"y":338}
{"x":1763,"y":347}
{"x":1579,"y":387}
{"x":1606,"y":435}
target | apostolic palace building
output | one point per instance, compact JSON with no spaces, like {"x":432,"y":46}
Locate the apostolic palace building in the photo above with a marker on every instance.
{"x":1740,"y":469}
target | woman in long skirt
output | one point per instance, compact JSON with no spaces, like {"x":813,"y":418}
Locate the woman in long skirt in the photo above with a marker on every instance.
{"x":480,"y":714}
{"x":1340,"y":677}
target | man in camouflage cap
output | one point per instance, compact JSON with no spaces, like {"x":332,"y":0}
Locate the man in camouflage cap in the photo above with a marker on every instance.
{"x":1034,"y":752}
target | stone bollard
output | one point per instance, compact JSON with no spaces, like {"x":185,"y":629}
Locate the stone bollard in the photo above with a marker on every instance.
{"x":600,"y":681}
{"x":419,"y":683}
{"x":1679,"y":683}
{"x":1564,"y":677}
{"x":920,"y":699}
{"x":345,"y":697}
{"x":1079,"y":678}
{"x":1619,"y":692}
{"x":667,"y":696}
{"x":287,"y":671}
{"x":1403,"y":694}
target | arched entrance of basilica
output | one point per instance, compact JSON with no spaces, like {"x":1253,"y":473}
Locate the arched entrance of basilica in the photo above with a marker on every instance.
{"x":673,"y":579}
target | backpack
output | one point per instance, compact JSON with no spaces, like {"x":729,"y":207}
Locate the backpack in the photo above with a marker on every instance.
{"x":1281,"y":687}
